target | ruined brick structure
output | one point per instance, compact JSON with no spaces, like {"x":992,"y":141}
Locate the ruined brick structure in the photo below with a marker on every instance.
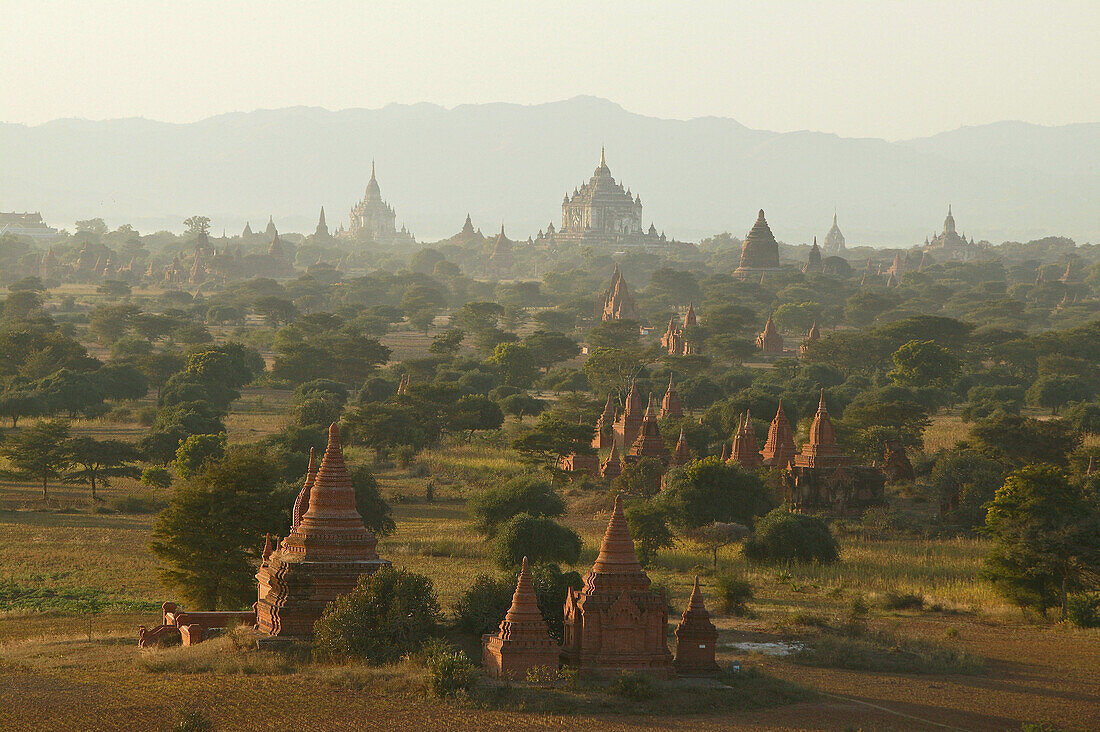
{"x":617,"y":302}
{"x":770,"y":342}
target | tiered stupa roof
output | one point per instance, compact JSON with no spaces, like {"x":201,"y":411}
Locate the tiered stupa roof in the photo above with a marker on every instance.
{"x":745,"y":451}
{"x":779,"y":451}
{"x":696,"y":638}
{"x":759,"y":250}
{"x":670,"y":402}
{"x":649,"y":442}
{"x":523,"y":639}
{"x":682,"y":454}
{"x":822,"y":450}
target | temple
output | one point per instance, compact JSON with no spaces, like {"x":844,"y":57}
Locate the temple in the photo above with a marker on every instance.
{"x":670,"y":402}
{"x":696,"y":638}
{"x":813,"y":261}
{"x":25,"y":224}
{"x":744,"y":451}
{"x":813,"y":336}
{"x":629,"y":423}
{"x":501,"y":258}
{"x":759,"y":251}
{"x":649,"y":442}
{"x":617,"y":303}
{"x":673,"y":340}
{"x":323,"y":556}
{"x":779,"y":450}
{"x":834,"y":241}
{"x":949,"y":243}
{"x":770,"y":342}
{"x":616,"y":623}
{"x":523,"y":640}
{"x":375,"y":220}
{"x":601,"y":211}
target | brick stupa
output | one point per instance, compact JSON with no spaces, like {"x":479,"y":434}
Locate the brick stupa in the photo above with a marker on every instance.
{"x":745,"y":451}
{"x":779,"y":451}
{"x":649,"y":442}
{"x":682,"y":454}
{"x":523,"y":640}
{"x":822,"y":451}
{"x":696,"y":639}
{"x":671,"y":408}
{"x":629,"y":423}
{"x":770,"y":341}
{"x":613,"y":466}
{"x":616,"y":622}
{"x":323,"y":556}
{"x":605,"y":427}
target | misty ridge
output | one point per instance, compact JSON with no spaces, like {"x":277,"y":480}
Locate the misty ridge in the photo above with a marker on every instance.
{"x":512,"y":163}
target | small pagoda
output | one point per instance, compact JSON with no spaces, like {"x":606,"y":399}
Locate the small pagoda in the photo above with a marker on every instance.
{"x":770,"y":342}
{"x":617,"y":302}
{"x":812,"y":337}
{"x":605,"y":427}
{"x":613,"y":466}
{"x":682,"y":454}
{"x":745,"y":451}
{"x":649,"y":442}
{"x":629,"y":423}
{"x":779,"y":451}
{"x":616,"y":623}
{"x":671,"y":408}
{"x":523,"y":640}
{"x":696,"y":639}
{"x":323,"y":557}
{"x":759,"y":251}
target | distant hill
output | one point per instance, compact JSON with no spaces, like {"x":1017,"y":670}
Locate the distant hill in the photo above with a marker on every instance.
{"x":513,"y":163}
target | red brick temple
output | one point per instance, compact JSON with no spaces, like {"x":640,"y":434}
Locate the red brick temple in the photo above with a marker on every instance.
{"x":649,"y":442}
{"x":770,"y":342}
{"x":323,"y":556}
{"x":523,"y":640}
{"x":745,"y":451}
{"x":779,"y":450}
{"x":682,"y":454}
{"x":616,"y":622}
{"x":670,"y":402}
{"x":629,"y":423}
{"x":696,"y":639}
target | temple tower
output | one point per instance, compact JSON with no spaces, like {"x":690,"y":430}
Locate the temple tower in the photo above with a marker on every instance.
{"x":323,"y":556}
{"x":682,"y":454}
{"x":834,"y":241}
{"x":615,"y":622}
{"x":670,"y":402}
{"x":813,"y":262}
{"x":613,"y":466}
{"x":745,"y":451}
{"x":523,"y":640}
{"x":696,"y":638}
{"x":812,"y":337}
{"x":649,"y":442}
{"x":759,"y":250}
{"x":779,"y":451}
{"x":822,"y":450}
{"x":605,"y":426}
{"x":770,"y":342}
{"x":629,"y":424}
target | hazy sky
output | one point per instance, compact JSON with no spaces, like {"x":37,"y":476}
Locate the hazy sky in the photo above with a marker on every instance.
{"x":881,"y":69}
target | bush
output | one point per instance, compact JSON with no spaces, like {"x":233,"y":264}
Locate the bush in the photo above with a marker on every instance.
{"x":389,"y":614}
{"x":192,"y":720}
{"x":902,"y":601}
{"x":781,"y":535}
{"x":634,"y":686}
{"x":377,"y":514}
{"x":480,"y":609}
{"x":450,"y":671}
{"x":522,"y":494}
{"x":538,"y":538}
{"x":156,"y":477}
{"x":1083,"y":609}
{"x":551,"y":584}
{"x":733,"y":594}
{"x":137,"y":504}
{"x":403,"y":455}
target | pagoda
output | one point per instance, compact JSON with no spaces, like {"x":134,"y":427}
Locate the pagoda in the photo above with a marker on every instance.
{"x":618,"y":303}
{"x":605,"y":426}
{"x":523,"y":640}
{"x":673,"y":339}
{"x":834,"y":241}
{"x":670,"y":402}
{"x":682,"y":454}
{"x":696,"y":639}
{"x":649,"y":442}
{"x":629,"y":423}
{"x":372,"y":218}
{"x":616,"y":623}
{"x":779,"y":451}
{"x":822,"y":450}
{"x":813,"y":262}
{"x":613,"y":466}
{"x":770,"y":342}
{"x":812,"y":337}
{"x":759,"y":250}
{"x":745,"y":451}
{"x":501,"y":258}
{"x":323,"y":556}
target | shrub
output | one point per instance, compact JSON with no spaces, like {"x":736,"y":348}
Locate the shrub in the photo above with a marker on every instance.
{"x":902,"y":601}
{"x":403,"y":455}
{"x":522,"y":494}
{"x":633,"y":686}
{"x":389,"y":614}
{"x":1083,"y":609}
{"x":156,"y":477}
{"x":551,"y":584}
{"x":192,"y":720}
{"x":733,"y":594}
{"x":782,"y":535}
{"x":137,"y":504}
{"x":450,"y":671}
{"x":538,"y":538}
{"x":480,"y":609}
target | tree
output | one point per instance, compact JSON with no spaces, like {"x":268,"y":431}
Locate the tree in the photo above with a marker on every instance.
{"x":387,"y":425}
{"x":923,"y":363}
{"x":474,"y":412}
{"x":275,"y":310}
{"x":388,"y":615}
{"x":477,"y":316}
{"x":113,"y":289}
{"x":212,"y":531}
{"x":548,"y":348}
{"x":797,"y":316}
{"x":518,"y":405}
{"x":1046,"y":534}
{"x":516,"y":363}
{"x":783,"y":536}
{"x":552,"y":438}
{"x":640,"y":478}
{"x":447,"y":343}
{"x":92,"y":226}
{"x":715,"y":536}
{"x":611,"y":370}
{"x":1057,"y":391}
{"x":965,"y":481}
{"x":622,"y":334}
{"x":110,"y":322}
{"x":708,"y":490}
{"x":648,"y":523}
{"x":522,"y":494}
{"x":1016,"y":441}
{"x":39,"y":452}
{"x":538,"y":538}
{"x":197,"y":224}
{"x":196,"y":450}
{"x":377,"y":514}
{"x":20,"y":402}
{"x":97,"y":461}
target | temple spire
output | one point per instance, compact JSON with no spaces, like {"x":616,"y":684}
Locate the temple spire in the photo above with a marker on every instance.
{"x":617,"y":555}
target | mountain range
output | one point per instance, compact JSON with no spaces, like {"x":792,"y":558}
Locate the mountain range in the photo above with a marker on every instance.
{"x":511,"y":164}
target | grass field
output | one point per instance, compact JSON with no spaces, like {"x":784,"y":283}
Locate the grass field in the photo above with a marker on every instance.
{"x":76,"y":580}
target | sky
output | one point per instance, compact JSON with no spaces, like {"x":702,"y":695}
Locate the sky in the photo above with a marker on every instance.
{"x":885,"y":69}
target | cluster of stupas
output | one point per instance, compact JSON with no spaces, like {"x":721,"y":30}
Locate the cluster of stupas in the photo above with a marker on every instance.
{"x":616,"y":622}
{"x":673,"y":339}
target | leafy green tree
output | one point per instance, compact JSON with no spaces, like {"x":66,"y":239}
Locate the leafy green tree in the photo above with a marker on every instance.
{"x":474,"y":317}
{"x":620,"y":334}
{"x":538,"y":538}
{"x":965,"y":481}
{"x":714,"y":537}
{"x":923,"y":363}
{"x":377,"y":514}
{"x":474,"y":412}
{"x":447,"y":343}
{"x":648,"y":521}
{"x":275,"y":310}
{"x":610,"y":370}
{"x":1015,"y":441}
{"x":108,"y":323}
{"x":1054,"y":392}
{"x":197,"y":224}
{"x":708,"y":490}
{"x":640,"y":478}
{"x":484,"y":604}
{"x":317,"y":408}
{"x":783,"y":536}
{"x":212,"y":532}
{"x":389,"y":615}
{"x":159,"y":367}
{"x":196,"y":451}
{"x":516,"y":363}
{"x":1046,"y":534}
{"x":98,"y":461}
{"x":862,"y":308}
{"x":548,"y":348}
{"x":39,"y":452}
{"x":522,"y":494}
{"x":797,"y":316}
{"x":387,"y":425}
{"x":518,"y":405}
{"x":552,"y":438}
{"x":16,"y":402}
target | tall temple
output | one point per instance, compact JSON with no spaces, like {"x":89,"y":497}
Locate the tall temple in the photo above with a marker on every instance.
{"x":617,"y":303}
{"x":374,"y":219}
{"x":770,"y":342}
{"x":602,"y":211}
{"x":328,"y":548}
{"x":759,"y":250}
{"x":616,"y":623}
{"x":673,"y":339}
{"x":834,"y":241}
{"x":26,"y":224}
{"x":949,"y":243}
{"x":779,"y":451}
